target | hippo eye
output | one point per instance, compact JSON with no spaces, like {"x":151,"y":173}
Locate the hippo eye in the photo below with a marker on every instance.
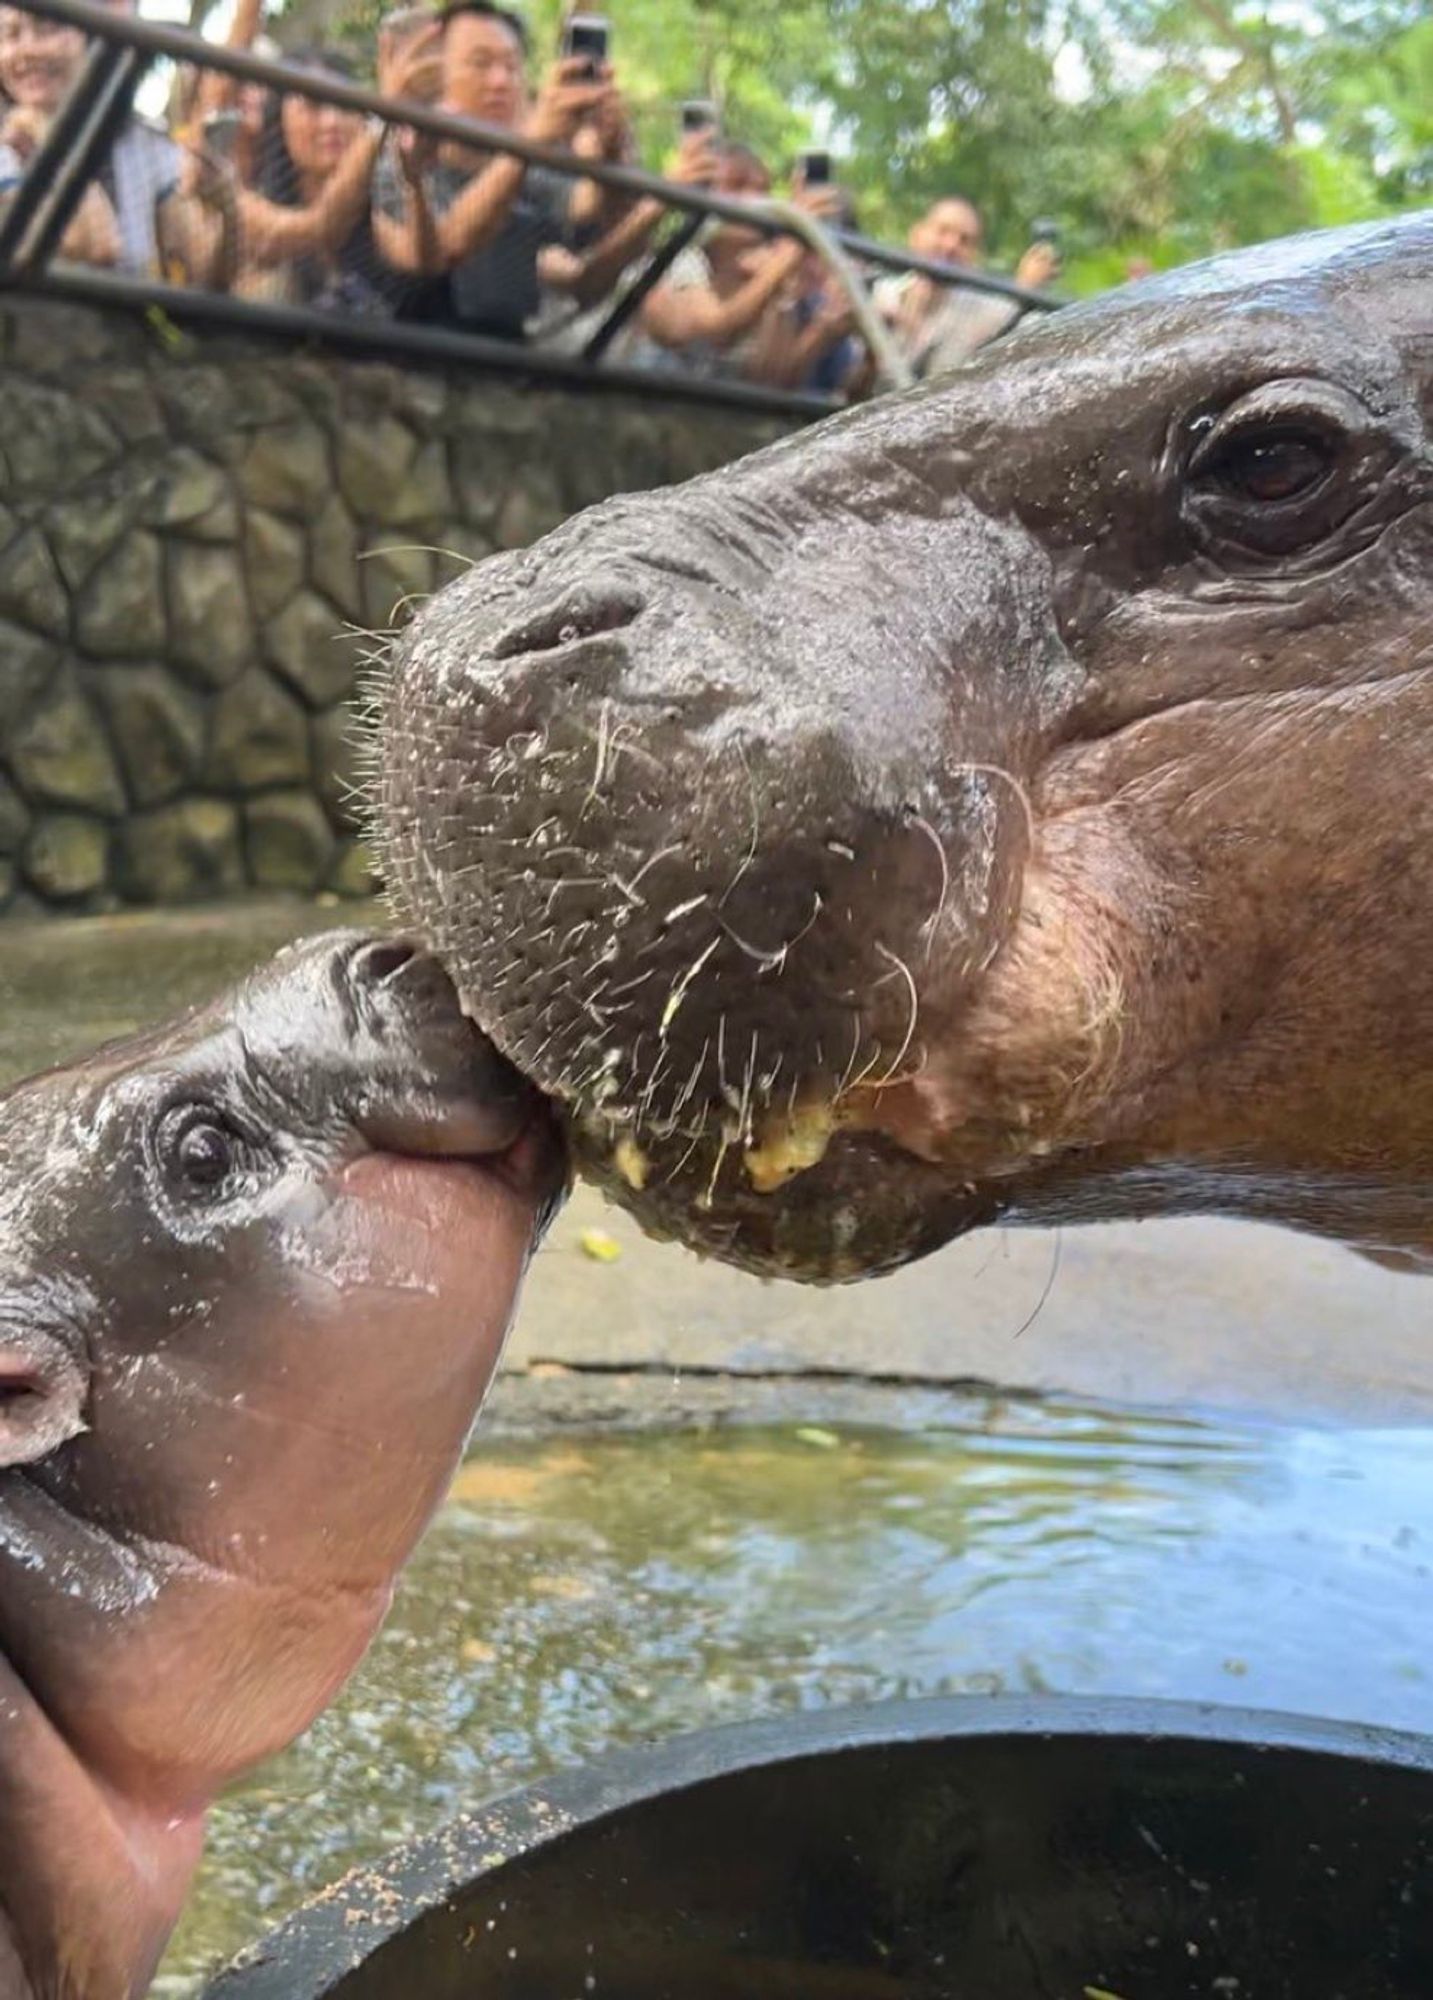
{"x":1296,"y":468}
{"x":202,"y":1154}
{"x":1270,"y":468}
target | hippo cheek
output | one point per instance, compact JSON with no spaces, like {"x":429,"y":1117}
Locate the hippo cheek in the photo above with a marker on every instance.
{"x":250,"y":1488}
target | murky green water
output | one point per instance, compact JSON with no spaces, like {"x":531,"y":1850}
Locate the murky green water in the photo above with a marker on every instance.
{"x":578,"y":1595}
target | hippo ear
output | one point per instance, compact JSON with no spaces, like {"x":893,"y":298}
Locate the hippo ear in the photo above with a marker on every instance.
{"x":42,"y":1396}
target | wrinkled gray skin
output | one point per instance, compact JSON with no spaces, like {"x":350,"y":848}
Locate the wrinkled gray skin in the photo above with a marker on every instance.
{"x":1032,"y":770}
{"x":255,"y":1272}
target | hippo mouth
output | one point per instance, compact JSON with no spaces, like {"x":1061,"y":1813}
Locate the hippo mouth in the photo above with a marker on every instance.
{"x":718,"y":924}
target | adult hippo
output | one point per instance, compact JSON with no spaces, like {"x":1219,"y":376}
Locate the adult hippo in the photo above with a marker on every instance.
{"x":1010,"y":800}
{"x":255,"y":1271}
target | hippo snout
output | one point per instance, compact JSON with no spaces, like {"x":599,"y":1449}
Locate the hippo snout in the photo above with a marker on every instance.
{"x":697,"y":812}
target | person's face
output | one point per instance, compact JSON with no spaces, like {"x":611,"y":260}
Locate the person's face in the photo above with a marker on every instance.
{"x":739,"y":179}
{"x":317,"y":135}
{"x":482,"y":70}
{"x":38,"y":60}
{"x":951,"y":232}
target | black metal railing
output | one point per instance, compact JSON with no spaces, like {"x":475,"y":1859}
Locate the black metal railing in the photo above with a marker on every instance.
{"x":69,"y":160}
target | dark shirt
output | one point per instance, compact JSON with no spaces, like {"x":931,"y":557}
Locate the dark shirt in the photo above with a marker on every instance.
{"x":495,"y":290}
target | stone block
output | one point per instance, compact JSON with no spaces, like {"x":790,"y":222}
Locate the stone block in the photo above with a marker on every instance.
{"x":201,"y":402}
{"x":373,"y":461}
{"x":60,"y":754}
{"x":31,"y":587}
{"x":484,"y":473}
{"x":195,"y":497}
{"x":259,"y":736}
{"x":50,"y":442}
{"x":422,"y":398}
{"x":183,"y":853}
{"x":55,"y":339}
{"x":310,"y":648}
{"x":286,"y":469}
{"x":25,"y":665}
{"x":312,"y":381}
{"x":157,"y":727}
{"x":396,"y":580}
{"x":67,"y":856}
{"x":83,"y":531}
{"x":120,"y":612}
{"x":211,"y":630}
{"x":14,"y":818}
{"x":353,"y":873}
{"x":276,"y":560}
{"x":288,"y":842}
{"x":497,"y":409}
{"x":333,"y":541}
{"x":126,"y":398}
{"x":339,"y":757}
{"x":530,"y":509}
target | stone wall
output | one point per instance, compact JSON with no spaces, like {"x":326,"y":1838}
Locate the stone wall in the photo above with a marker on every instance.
{"x":199,"y":537}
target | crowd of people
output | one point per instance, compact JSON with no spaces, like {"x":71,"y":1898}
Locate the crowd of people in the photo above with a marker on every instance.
{"x":281,"y":197}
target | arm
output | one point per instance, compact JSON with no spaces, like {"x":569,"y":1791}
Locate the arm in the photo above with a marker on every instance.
{"x":409,"y":240}
{"x":680,"y":316}
{"x":591,"y":276}
{"x":272,"y":234}
{"x":218,"y":92}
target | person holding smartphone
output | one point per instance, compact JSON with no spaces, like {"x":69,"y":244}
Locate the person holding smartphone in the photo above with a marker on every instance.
{"x":939,"y":326}
{"x":473,"y":223}
{"x":720,"y":310}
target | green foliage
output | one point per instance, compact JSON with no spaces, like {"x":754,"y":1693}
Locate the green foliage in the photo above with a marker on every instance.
{"x":1151,"y":129}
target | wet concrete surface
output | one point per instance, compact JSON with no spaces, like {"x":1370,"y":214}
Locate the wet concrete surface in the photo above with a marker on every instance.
{"x":1196,"y":1314}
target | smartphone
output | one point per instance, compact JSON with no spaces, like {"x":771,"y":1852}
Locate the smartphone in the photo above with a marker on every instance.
{"x":220,"y":135}
{"x":816,"y":169}
{"x":587,"y":35}
{"x":699,"y":114}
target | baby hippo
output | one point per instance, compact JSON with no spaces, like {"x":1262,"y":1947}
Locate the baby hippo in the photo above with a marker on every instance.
{"x":256,"y":1267}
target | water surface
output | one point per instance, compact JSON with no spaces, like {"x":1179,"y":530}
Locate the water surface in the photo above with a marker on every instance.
{"x":580,"y":1594}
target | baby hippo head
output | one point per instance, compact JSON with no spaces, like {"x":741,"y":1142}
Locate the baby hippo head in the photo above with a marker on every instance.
{"x":255,"y":1272}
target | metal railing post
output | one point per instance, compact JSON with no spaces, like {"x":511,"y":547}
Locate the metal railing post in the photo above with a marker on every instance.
{"x":109,"y":83}
{"x":630,"y":303}
{"x":58,"y":145}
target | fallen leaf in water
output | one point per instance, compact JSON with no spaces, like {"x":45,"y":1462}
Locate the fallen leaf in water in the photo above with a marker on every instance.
{"x":495,"y":1485}
{"x":477,"y":1652}
{"x":599,"y":1246}
{"x":813,"y":1434}
{"x":571,"y":1589}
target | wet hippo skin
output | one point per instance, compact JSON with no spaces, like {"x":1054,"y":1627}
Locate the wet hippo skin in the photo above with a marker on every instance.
{"x":1008,"y":800}
{"x":255,"y":1272}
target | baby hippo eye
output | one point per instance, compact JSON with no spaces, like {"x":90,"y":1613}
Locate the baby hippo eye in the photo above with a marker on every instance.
{"x":1267,"y":469}
{"x":203,"y":1154}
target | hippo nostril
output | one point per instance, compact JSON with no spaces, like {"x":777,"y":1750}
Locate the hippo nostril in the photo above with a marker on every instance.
{"x":567,"y":624}
{"x":379,"y":959}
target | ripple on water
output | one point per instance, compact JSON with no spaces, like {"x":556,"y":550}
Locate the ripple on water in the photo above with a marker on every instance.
{"x":578,"y":1595}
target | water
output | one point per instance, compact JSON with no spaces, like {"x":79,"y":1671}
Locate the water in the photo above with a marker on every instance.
{"x":608,"y":1590}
